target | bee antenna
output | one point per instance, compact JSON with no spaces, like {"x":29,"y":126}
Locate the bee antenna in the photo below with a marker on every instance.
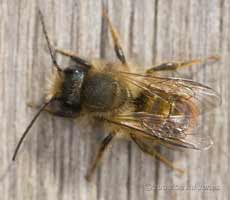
{"x":48,"y":41}
{"x":28,"y":128}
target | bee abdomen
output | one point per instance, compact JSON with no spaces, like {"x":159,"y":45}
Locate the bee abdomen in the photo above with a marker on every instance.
{"x":152,"y":105}
{"x":103,"y":93}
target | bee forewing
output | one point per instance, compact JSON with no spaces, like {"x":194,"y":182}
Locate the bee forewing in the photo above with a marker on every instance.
{"x":178,"y":130}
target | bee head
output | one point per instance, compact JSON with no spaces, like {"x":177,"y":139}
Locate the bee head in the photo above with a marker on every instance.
{"x":72,"y":85}
{"x":67,"y":85}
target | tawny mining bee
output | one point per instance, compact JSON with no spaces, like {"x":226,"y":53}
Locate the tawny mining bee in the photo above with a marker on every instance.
{"x":147,"y":108}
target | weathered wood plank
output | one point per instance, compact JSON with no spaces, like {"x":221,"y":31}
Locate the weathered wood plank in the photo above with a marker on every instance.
{"x":55,"y":156}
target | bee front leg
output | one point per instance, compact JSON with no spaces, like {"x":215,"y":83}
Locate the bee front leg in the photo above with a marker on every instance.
{"x":106,"y":141}
{"x":59,"y":113}
{"x":174,"y":65}
{"x":36,"y":106}
{"x":73,"y":56}
{"x":116,"y":41}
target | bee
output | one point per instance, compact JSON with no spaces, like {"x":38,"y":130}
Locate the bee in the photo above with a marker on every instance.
{"x":149,"y":109}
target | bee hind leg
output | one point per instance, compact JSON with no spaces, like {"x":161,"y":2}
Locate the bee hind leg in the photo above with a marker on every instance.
{"x":174,"y":65}
{"x":105,"y":142}
{"x":157,"y":155}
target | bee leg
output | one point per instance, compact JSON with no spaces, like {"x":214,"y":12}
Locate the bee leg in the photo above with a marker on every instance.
{"x":106,"y":141}
{"x":167,"y":162}
{"x":58,"y":113}
{"x":73,"y":56}
{"x":157,"y":155}
{"x":33,"y":105}
{"x":172,"y":66}
{"x":116,"y":41}
{"x":36,"y":106}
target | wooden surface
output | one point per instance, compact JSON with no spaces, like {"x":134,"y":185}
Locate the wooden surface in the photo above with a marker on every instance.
{"x":54,"y":158}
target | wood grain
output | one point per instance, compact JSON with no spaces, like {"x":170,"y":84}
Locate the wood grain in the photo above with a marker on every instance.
{"x":54,"y":158}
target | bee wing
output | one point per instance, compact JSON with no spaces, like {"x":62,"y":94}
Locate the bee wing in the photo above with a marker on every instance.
{"x":176,"y":130}
{"x":175,"y":89}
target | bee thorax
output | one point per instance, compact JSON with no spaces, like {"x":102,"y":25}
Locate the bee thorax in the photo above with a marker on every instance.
{"x":102,"y":93}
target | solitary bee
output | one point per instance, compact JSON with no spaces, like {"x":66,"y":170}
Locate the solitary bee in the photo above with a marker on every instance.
{"x":147,"y":108}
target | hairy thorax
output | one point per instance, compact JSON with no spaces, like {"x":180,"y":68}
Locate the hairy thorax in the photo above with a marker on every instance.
{"x":103,"y":93}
